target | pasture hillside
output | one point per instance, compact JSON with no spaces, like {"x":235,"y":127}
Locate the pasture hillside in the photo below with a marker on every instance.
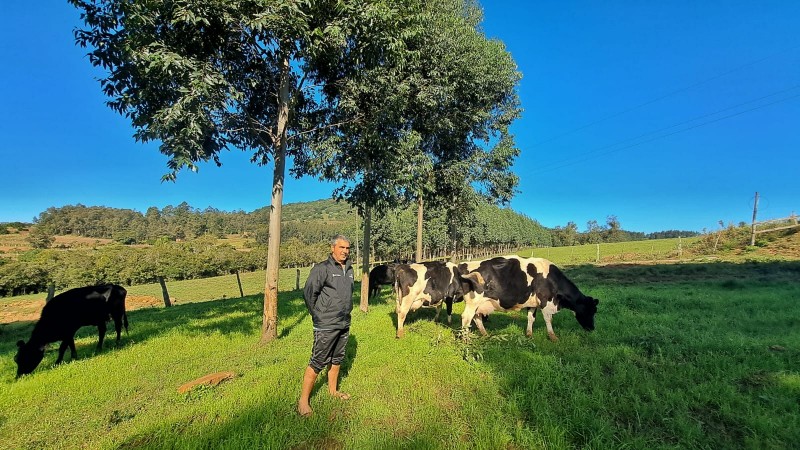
{"x":692,"y":355}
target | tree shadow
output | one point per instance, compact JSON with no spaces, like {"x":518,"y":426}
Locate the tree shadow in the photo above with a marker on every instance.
{"x":713,"y":334}
{"x":228,"y":316}
{"x":426,"y":314}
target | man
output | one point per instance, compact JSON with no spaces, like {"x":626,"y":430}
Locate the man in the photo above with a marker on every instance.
{"x":329,"y":298}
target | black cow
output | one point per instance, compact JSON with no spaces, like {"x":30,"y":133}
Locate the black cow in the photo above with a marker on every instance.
{"x":380,"y":275}
{"x":64,"y":314}
{"x":513,"y":283}
{"x":428,"y":285}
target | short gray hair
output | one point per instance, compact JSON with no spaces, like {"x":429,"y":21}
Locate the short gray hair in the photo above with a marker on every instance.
{"x":339,"y":237}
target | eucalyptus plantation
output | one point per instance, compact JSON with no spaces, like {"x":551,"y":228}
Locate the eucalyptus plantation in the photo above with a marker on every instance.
{"x":259,"y":76}
{"x":433,"y":121}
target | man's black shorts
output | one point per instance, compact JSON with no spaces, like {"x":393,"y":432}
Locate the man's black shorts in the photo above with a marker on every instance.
{"x":329,"y":346}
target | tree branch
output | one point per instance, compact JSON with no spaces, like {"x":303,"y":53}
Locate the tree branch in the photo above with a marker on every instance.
{"x":332,"y":125}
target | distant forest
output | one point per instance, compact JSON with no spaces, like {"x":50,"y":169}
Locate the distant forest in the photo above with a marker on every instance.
{"x":312,"y":222}
{"x":182,"y":242}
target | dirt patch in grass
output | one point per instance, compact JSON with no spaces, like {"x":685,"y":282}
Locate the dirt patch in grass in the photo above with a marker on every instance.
{"x":29,"y":310}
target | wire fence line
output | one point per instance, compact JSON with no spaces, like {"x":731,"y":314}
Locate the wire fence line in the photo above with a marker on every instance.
{"x":784,"y":223}
{"x":293,"y":279}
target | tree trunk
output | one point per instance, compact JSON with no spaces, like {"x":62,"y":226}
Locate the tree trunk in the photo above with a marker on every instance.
{"x":418,"y":254}
{"x":454,"y":240}
{"x":269,"y":327}
{"x":365,"y":263}
{"x":51,"y":292}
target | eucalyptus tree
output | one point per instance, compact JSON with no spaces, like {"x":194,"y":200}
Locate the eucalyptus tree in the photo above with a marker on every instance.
{"x":434,"y":123}
{"x":465,"y":119}
{"x":262,"y":76}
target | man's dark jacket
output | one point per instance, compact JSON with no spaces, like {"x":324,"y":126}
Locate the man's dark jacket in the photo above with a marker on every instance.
{"x":329,"y":294}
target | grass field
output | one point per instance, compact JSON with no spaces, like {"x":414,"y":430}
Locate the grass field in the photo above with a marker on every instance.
{"x":638,"y":251}
{"x":684,"y":356}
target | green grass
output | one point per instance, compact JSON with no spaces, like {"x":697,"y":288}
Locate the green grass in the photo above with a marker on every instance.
{"x":638,"y":251}
{"x":684,"y":356}
{"x":189,"y":291}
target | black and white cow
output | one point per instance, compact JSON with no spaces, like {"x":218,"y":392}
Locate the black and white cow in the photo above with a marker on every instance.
{"x":64,"y":314}
{"x":427,"y":285}
{"x":380,"y":275}
{"x":513,"y":283}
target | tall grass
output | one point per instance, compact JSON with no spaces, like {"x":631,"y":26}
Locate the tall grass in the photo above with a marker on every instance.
{"x":684,"y":356}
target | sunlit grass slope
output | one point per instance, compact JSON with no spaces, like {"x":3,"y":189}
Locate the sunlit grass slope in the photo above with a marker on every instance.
{"x":684,"y":356}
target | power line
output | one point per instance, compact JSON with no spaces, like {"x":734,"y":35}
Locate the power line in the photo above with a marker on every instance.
{"x":666,"y":135}
{"x":677,"y":91}
{"x":546,"y":166}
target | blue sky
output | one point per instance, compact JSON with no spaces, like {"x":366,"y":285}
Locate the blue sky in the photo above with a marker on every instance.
{"x":668,"y":115}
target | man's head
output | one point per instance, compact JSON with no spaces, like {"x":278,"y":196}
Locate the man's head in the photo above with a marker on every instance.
{"x":340,"y":248}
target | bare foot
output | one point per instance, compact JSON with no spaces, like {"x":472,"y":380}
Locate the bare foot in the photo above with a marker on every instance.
{"x":341,"y":395}
{"x":304,"y":409}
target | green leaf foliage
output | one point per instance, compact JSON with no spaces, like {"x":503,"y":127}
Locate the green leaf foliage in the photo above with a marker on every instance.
{"x":204,"y":76}
{"x":432,"y":120}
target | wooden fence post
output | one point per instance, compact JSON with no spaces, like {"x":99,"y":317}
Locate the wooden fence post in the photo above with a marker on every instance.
{"x":239,"y":281}
{"x":753,"y":226}
{"x":167,"y":302}
{"x":297,"y":280}
{"x":51,"y":292}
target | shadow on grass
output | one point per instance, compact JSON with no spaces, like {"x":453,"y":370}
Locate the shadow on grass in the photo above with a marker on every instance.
{"x":227,"y":316}
{"x":665,"y":366}
{"x":626,"y":274}
{"x":273,"y":423}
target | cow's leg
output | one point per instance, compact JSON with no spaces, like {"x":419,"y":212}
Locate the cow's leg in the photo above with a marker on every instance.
{"x":402,"y":311}
{"x":468,"y":314}
{"x":63,"y":349}
{"x":118,"y":327}
{"x":548,"y":321}
{"x":72,"y":351}
{"x":449,"y":303}
{"x":101,"y":331}
{"x":478,"y":319}
{"x":531,"y":319}
{"x":69,"y":342}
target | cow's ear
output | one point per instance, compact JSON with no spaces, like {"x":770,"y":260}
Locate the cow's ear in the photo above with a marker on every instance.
{"x":20,"y":343}
{"x":596,"y":301}
{"x":476,"y":282}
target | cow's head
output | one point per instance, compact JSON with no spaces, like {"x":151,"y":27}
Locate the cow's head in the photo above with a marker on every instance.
{"x":28,"y":357}
{"x":585,"y":309}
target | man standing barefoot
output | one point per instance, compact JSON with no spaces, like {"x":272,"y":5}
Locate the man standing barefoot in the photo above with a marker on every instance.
{"x":329,"y":298}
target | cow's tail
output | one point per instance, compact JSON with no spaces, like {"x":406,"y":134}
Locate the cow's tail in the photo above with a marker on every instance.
{"x":125,"y":320}
{"x":397,"y":292}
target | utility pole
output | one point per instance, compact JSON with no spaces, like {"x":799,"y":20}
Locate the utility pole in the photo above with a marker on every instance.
{"x":753,"y":226}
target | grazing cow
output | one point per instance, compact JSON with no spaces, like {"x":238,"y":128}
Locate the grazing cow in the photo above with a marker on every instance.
{"x":380,"y":275}
{"x":428,"y":285}
{"x":64,"y":314}
{"x":513,"y":283}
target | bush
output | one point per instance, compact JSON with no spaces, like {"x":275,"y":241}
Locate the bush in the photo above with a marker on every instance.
{"x":724,"y":239}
